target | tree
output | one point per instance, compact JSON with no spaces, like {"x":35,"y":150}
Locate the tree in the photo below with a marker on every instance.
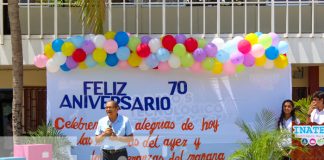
{"x":17,"y":68}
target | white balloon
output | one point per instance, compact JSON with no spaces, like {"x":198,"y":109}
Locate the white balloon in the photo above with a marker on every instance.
{"x":218,"y":42}
{"x":154,"y":45}
{"x":51,"y":66}
{"x":174,"y":61}
{"x":268,"y":64}
{"x":89,"y":37}
{"x":143,"y":66}
{"x":59,"y":58}
{"x":237,"y":39}
{"x":99,"y":40}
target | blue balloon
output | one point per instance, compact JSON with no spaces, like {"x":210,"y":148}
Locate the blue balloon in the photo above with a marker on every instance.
{"x":90,"y":62}
{"x":152,"y":61}
{"x":123,"y":53}
{"x":57,"y":45}
{"x":222,"y":56}
{"x":65,"y":68}
{"x":163,"y":55}
{"x":230,"y":47}
{"x":272,"y":53}
{"x":258,"y":33}
{"x":112,"y":60}
{"x":283,"y":47}
{"x":121,"y":38}
{"x":77,"y":41}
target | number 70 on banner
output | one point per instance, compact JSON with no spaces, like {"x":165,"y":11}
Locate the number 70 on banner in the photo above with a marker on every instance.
{"x":178,"y":86}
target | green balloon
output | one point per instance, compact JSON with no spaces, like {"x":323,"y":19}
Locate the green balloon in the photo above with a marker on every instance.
{"x":265,"y":40}
{"x":179,"y":50}
{"x":187,"y":60}
{"x":208,"y":63}
{"x":133,"y":43}
{"x":201,"y":43}
{"x":240,"y":68}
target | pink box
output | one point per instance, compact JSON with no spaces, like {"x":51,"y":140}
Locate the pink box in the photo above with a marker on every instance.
{"x":34,"y":151}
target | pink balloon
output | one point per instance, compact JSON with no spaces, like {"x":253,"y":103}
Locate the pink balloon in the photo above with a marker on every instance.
{"x":237,"y":58}
{"x":257,"y":50}
{"x":229,"y":68}
{"x":40,"y":61}
{"x":123,"y":64}
{"x":164,"y":66}
{"x":275,"y":38}
{"x":196,"y":67}
{"x":244,"y":46}
{"x":110,"y":46}
{"x":249,"y":60}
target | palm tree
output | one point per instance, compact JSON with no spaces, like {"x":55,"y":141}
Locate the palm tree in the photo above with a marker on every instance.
{"x":17,"y":68}
{"x":302,"y":106}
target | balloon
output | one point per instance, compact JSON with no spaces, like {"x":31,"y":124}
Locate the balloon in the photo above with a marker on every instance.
{"x":79,"y":55}
{"x":134,"y":60}
{"x":269,"y":64}
{"x":230,"y":47}
{"x":112,"y":60}
{"x":90,"y":61}
{"x":143,"y":66}
{"x":143,"y":50}
{"x":169,"y":42}
{"x":257,"y":50}
{"x":199,"y":55}
{"x":154,"y":45}
{"x":71,"y":63}
{"x":99,"y":55}
{"x":240,"y":68}
{"x":65,"y":68}
{"x":258,"y":33}
{"x":88,"y":46}
{"x":59,"y":58}
{"x":260,"y":61}
{"x":57,"y":45}
{"x":102,"y":64}
{"x":123,"y":53}
{"x":40,"y":61}
{"x":196,"y":67}
{"x":83,"y":65}
{"x":236,"y":40}
{"x":99,"y":41}
{"x":211,"y":50}
{"x":191,"y":44}
{"x":187,"y":60}
{"x":48,"y":50}
{"x":180,"y":38}
{"x":272,"y":53}
{"x":179,"y":50}
{"x":89,"y":37}
{"x":163,"y":55}
{"x":218,"y":42}
{"x":110,"y":35}
{"x":249,"y":60}
{"x":68,"y":48}
{"x":133,"y":43}
{"x":121,"y":38}
{"x":281,"y":62}
{"x":174,"y":61}
{"x":265,"y":40}
{"x":110,"y":46}
{"x":222,"y":56}
{"x":202,"y":42}
{"x":208,"y":63}
{"x":78,"y":41}
{"x":283,"y":47}
{"x":217,"y":68}
{"x":229,"y":68}
{"x":51,"y":66}
{"x":275,"y":38}
{"x":146,"y":39}
{"x":163,"y":66}
{"x":123,"y":65}
{"x":244,"y":46}
{"x":252,"y":38}
{"x":237,"y":58}
{"x":152,"y":61}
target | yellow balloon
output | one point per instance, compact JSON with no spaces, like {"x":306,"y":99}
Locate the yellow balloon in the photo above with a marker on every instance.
{"x":134,"y":60}
{"x":99,"y":55}
{"x":68,"y":48}
{"x":217,"y":68}
{"x":102,"y":64}
{"x":110,"y":35}
{"x":83,"y":65}
{"x":48,"y":50}
{"x":281,"y":62}
{"x":260,"y":61}
{"x":252,"y":38}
